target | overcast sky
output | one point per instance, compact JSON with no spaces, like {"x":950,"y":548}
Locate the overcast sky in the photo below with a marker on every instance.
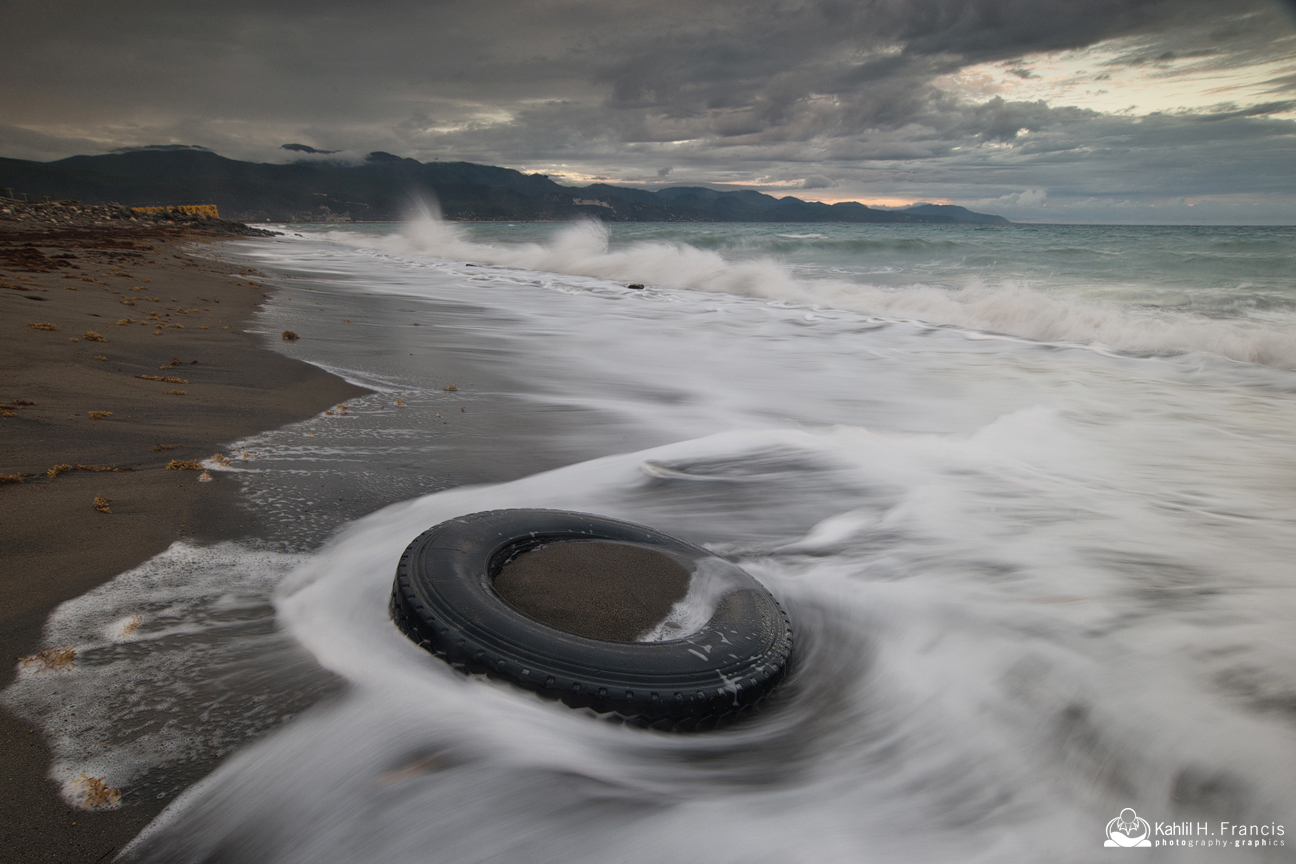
{"x":1055,"y":110}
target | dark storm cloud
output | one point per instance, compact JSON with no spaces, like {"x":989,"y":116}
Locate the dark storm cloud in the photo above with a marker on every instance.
{"x":333,"y":62}
{"x":757,"y":91}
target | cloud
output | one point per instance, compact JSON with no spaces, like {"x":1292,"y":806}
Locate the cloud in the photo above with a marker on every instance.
{"x":19,"y":143}
{"x":306,"y":148}
{"x":1031,"y":198}
{"x":1015,"y":202}
{"x":816,"y":181}
{"x":791,"y":91}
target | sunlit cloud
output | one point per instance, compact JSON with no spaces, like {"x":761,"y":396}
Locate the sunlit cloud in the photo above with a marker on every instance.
{"x":1102,"y":78}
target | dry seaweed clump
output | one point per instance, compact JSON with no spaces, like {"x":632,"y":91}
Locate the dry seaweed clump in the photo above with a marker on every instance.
{"x":42,"y":325}
{"x":289,"y":336}
{"x":102,"y":504}
{"x":92,"y":336}
{"x":50,"y":660}
{"x":170,"y":379}
{"x":96,"y":794}
{"x":10,"y":478}
{"x":63,"y":469}
{"x":184,"y":465}
{"x":99,"y":415}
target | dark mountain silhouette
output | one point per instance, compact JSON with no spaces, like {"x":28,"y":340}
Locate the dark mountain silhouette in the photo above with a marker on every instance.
{"x":962,"y":214}
{"x":385,"y":187}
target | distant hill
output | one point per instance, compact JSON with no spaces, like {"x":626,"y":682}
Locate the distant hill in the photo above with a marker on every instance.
{"x":962,"y":214}
{"x":384,"y":186}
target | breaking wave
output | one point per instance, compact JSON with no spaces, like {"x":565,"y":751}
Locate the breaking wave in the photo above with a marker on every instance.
{"x":1010,"y":307}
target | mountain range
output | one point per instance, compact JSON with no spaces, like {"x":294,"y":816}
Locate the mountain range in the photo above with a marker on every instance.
{"x":384,"y":187}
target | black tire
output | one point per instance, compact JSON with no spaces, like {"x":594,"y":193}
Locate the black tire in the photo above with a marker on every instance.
{"x":444,"y":599}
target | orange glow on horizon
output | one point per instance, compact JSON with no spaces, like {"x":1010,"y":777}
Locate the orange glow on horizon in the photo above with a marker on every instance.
{"x":875,"y":202}
{"x":776,"y":190}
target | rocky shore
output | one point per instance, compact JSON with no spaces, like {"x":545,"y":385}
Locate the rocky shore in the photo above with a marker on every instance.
{"x":50,"y":217}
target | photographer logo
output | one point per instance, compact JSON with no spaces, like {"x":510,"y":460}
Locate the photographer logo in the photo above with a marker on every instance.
{"x":1128,"y":831}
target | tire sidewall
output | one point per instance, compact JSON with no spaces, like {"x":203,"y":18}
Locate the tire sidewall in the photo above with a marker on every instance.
{"x":444,"y":598}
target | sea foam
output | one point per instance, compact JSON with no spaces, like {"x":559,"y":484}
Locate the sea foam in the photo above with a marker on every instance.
{"x":1011,"y":307}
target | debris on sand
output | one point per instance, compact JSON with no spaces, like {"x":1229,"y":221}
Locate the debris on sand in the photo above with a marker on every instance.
{"x":63,"y":469}
{"x":96,"y":794}
{"x":50,"y":660}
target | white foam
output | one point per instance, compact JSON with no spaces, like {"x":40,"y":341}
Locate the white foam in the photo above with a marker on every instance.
{"x":1009,"y":307}
{"x":1029,"y":588}
{"x":150,"y":645}
{"x":711,"y":580}
{"x":970,"y":684}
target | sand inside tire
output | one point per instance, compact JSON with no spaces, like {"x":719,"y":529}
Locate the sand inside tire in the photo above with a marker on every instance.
{"x":594,"y":588}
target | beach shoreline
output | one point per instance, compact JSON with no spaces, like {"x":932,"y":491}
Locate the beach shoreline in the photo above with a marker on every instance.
{"x":126,"y":357}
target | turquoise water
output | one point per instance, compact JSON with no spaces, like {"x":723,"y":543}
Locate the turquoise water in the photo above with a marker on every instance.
{"x":1230,"y":261}
{"x":1140,"y":289}
{"x":1211,"y":270}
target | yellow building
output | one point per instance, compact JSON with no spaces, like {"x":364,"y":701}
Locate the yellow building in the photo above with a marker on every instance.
{"x":192,"y":209}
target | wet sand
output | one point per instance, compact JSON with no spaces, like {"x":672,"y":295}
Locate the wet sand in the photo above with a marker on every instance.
{"x":595,"y":588}
{"x":132,"y":303}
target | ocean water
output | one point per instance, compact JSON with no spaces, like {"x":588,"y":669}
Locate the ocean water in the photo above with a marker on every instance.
{"x":1028,"y":495}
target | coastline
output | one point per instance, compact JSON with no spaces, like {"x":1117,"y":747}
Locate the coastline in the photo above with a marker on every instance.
{"x":86,"y":271}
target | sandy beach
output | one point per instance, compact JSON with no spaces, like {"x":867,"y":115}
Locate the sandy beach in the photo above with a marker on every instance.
{"x":125,"y":356}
